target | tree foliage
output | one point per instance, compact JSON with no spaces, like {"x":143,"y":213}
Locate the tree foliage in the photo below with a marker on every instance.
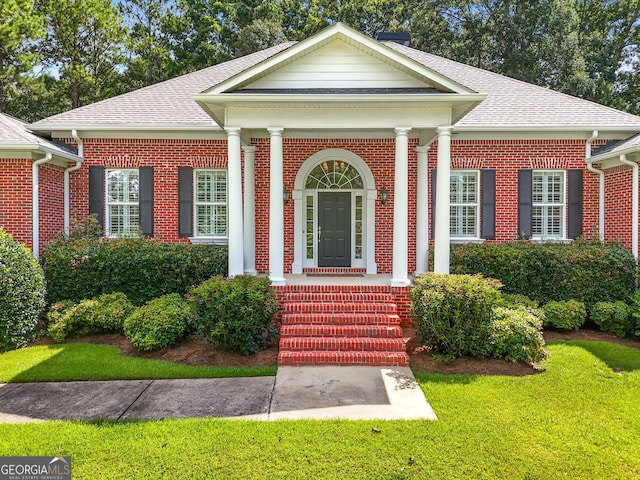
{"x":20,"y":25}
{"x":93,"y":49}
{"x":83,"y":42}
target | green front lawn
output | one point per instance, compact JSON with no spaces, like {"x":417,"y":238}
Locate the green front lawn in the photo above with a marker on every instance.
{"x":580,"y":419}
{"x":83,"y":361}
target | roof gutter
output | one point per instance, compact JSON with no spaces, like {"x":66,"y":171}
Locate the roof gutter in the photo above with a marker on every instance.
{"x":634,"y":206}
{"x":35,"y":199}
{"x":67,"y":171}
{"x":600,"y":174}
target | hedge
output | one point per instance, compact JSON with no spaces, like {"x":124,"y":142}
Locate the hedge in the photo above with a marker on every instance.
{"x":237,"y":313}
{"x":142,"y":269}
{"x":583,"y":270}
{"x":22,"y":292}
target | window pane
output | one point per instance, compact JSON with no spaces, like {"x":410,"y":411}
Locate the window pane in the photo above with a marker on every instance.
{"x":122,"y":192}
{"x":334,"y":174}
{"x":548,"y":204}
{"x":464,"y":204}
{"x":210,"y":203}
{"x":124,"y":220}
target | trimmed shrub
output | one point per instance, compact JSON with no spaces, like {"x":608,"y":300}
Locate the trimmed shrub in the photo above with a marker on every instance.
{"x":22,"y":293}
{"x":237,"y":314}
{"x":104,"y":314}
{"x":516,"y":335}
{"x":84,"y":267}
{"x":158,"y":324}
{"x":569,"y":315}
{"x":453,"y":313}
{"x":515,"y":300}
{"x":613,"y":317}
{"x":586,"y":271}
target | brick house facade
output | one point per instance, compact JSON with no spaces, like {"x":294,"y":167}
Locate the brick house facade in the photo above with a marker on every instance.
{"x":414,"y":150}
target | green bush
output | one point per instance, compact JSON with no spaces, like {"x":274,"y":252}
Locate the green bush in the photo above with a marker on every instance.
{"x":613,"y":317}
{"x":568,"y":315}
{"x":516,"y":335}
{"x":237,"y":313}
{"x":586,"y":271}
{"x":83,"y":267}
{"x":158,"y":324}
{"x":453,"y":313}
{"x":22,"y":293}
{"x":515,"y":300}
{"x":103,"y":314}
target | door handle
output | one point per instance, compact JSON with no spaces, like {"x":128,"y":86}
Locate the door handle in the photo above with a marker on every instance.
{"x":319,"y":233}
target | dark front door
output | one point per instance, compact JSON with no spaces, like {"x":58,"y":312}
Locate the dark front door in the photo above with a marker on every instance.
{"x":334,"y":229}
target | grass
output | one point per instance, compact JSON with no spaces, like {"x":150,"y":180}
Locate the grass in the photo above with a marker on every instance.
{"x":82,"y":361}
{"x":579,"y":419}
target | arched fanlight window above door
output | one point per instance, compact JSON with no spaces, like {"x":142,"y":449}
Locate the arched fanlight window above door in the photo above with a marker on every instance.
{"x":334,"y":174}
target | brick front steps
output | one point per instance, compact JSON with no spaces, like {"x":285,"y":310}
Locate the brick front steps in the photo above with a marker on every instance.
{"x":340,"y":325}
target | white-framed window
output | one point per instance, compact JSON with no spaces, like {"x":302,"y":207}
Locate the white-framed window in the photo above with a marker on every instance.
{"x":464,"y":204}
{"x":210,"y":203}
{"x":548,"y":204}
{"x":122,"y":202}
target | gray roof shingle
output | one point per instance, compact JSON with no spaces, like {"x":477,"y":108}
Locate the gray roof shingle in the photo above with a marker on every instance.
{"x":509,"y":104}
{"x":14,"y":132}
{"x":167,"y":103}
{"x":617,"y":146}
{"x":514,"y":103}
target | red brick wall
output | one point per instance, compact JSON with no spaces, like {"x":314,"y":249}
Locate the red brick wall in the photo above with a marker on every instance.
{"x":165,"y":156}
{"x":15,"y":198}
{"x":506,"y":156}
{"x":379,"y":154}
{"x":509,"y":156}
{"x":618,"y":204}
{"x":51,"y":202}
{"x":16,"y":195}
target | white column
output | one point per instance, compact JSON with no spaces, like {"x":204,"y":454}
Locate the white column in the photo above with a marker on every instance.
{"x":399,"y":276}
{"x":249,"y":210}
{"x":422,"y":212}
{"x":443,"y":186}
{"x":234,"y":173}
{"x":276,"y":208}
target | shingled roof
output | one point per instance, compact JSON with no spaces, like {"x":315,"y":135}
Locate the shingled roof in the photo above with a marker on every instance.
{"x":514,"y":103}
{"x":15,"y":135}
{"x":164,"y":104}
{"x":510,"y":104}
{"x":617,"y":147}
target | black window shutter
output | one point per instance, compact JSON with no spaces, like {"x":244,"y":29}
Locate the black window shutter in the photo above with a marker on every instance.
{"x":185,"y":201}
{"x":146,"y":200}
{"x":488,"y":212}
{"x":525,"y":203}
{"x":433,"y":202}
{"x":574,"y":208}
{"x":96,"y":193}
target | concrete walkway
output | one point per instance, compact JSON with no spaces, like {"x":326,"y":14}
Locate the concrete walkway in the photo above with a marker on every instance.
{"x":296,"y":392}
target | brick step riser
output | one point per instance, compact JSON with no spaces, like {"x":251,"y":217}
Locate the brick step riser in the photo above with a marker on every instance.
{"x":395,"y":359}
{"x":339,"y":319}
{"x":309,"y":307}
{"x":356,"y":344}
{"x":342,"y":297}
{"x":320,"y":330}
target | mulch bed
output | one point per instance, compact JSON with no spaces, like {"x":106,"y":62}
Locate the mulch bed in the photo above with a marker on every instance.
{"x":201,"y":352}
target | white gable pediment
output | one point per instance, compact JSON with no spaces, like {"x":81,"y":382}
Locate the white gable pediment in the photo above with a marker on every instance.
{"x":337,"y":65}
{"x":338,"y":78}
{"x":338,"y":57}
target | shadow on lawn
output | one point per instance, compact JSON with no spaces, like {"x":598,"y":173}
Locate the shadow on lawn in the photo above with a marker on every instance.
{"x":63,"y":364}
{"x":618,"y":358}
